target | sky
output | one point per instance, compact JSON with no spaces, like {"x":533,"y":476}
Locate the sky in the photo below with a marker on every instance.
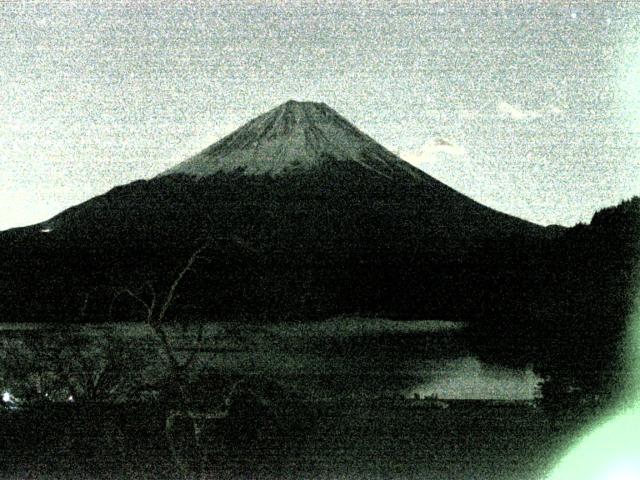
{"x":532,"y":108}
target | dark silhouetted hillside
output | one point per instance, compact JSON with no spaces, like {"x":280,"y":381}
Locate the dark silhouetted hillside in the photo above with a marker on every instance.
{"x":566,"y":309}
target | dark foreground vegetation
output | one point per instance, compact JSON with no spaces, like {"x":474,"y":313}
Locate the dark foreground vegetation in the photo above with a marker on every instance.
{"x":393,"y":439}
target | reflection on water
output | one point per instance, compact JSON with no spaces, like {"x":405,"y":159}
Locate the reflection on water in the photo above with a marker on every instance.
{"x":468,"y":378}
{"x":383,"y":357}
{"x":347,"y":356}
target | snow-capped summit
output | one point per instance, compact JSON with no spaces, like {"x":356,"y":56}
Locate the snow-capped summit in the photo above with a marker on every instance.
{"x":294,"y":137}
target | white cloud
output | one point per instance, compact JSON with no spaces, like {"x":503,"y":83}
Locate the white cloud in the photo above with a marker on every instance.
{"x":555,"y":110}
{"x":515,"y":112}
{"x":433,"y":149}
{"x":511,"y":111}
{"x":469,"y":114}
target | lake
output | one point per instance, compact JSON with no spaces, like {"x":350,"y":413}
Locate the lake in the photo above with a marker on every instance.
{"x":353,"y":415}
{"x":336,"y":358}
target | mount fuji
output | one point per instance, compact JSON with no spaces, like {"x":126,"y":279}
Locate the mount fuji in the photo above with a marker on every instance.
{"x":305,"y":214}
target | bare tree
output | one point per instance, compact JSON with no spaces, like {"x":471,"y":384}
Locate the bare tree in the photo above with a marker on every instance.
{"x":105,"y":368}
{"x":156,"y":305}
{"x":72,"y":365}
{"x":30,"y":372}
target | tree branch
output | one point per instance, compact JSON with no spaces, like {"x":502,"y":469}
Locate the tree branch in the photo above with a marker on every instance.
{"x":166,"y":347}
{"x":149,"y":307}
{"x":172,"y":290}
{"x":197,"y":345}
